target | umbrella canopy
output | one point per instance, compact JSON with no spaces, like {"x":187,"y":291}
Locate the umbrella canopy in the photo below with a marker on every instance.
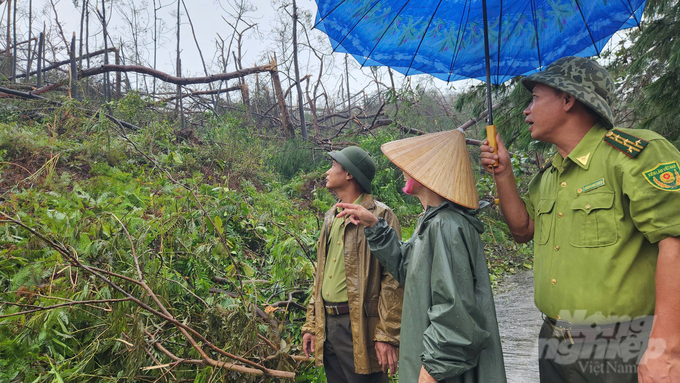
{"x":445,"y":38}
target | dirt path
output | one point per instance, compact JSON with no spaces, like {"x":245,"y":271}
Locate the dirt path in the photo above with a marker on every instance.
{"x":519,"y":322}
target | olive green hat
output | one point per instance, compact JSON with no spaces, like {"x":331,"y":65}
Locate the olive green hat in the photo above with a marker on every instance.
{"x":582,"y":78}
{"x":358,"y":163}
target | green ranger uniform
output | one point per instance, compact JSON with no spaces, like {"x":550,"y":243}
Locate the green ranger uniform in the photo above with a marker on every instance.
{"x":334,"y":285}
{"x":598,"y":214}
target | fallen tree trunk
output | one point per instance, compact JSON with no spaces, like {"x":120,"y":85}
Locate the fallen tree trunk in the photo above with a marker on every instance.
{"x":17,"y":93}
{"x":65,"y":62}
{"x":48,"y":88}
{"x":174,"y":79}
{"x":203,"y":93}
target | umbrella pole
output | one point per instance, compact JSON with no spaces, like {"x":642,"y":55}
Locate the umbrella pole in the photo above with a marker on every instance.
{"x":491,"y":128}
{"x":488,"y":65}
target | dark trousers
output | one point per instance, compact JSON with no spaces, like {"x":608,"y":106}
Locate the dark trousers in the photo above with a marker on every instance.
{"x":592,"y":354}
{"x":338,"y":353}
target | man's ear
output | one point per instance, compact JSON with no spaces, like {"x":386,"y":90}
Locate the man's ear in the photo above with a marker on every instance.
{"x":569,"y":101}
{"x":349,"y":177}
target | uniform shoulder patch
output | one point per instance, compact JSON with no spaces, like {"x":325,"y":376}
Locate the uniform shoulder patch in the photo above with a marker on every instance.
{"x":624,"y":142}
{"x":664,"y":176}
{"x":547,"y":163}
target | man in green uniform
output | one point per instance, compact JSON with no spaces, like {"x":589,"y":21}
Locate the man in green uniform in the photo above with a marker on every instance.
{"x":354,"y":313}
{"x":604,"y":214}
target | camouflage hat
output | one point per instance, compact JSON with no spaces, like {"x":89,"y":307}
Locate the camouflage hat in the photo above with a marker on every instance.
{"x":358,"y":163}
{"x":582,"y":78}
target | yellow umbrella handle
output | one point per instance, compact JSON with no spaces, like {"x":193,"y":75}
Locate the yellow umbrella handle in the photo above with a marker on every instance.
{"x":491,"y":137}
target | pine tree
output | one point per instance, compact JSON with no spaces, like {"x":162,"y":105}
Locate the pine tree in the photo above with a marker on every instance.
{"x":647,"y":71}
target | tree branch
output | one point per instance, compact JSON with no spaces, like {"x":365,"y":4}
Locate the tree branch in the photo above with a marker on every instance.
{"x":71,"y":303}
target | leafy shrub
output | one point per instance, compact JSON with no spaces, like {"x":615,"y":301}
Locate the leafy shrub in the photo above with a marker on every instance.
{"x":294,"y":157}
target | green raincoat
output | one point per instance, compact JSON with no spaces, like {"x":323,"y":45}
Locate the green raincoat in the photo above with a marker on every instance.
{"x":448,"y":322}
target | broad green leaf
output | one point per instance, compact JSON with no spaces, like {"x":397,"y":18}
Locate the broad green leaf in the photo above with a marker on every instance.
{"x":218,"y":224}
{"x":249,"y":271}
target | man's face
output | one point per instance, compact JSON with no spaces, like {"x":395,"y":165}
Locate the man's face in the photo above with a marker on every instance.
{"x":337,"y":176}
{"x":545,"y":114}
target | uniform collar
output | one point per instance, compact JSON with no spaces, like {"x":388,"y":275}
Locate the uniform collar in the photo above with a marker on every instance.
{"x":365,"y":200}
{"x":359,"y":201}
{"x":582,"y":155}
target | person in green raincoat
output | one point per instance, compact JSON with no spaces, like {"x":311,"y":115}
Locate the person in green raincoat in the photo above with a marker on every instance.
{"x":449,"y":330}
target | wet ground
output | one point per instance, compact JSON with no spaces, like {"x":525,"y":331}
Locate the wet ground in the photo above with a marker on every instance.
{"x":519,"y":322}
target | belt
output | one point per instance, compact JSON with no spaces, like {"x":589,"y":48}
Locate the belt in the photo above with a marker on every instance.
{"x":333,"y":308}
{"x":567,"y":330}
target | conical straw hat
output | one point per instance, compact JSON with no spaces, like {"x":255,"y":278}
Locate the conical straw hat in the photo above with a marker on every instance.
{"x":440,"y":162}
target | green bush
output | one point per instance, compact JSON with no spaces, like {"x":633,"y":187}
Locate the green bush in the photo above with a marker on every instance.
{"x":294,"y":156}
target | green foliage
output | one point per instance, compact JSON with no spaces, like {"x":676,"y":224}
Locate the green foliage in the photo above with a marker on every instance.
{"x":389,"y":180}
{"x":133,"y":107}
{"x":511,"y":99}
{"x":647,"y":67}
{"x":269,"y":243}
{"x":234,"y":148}
{"x":8,"y":113}
{"x":422,"y":107}
{"x":294,"y":157}
{"x":209,"y":212}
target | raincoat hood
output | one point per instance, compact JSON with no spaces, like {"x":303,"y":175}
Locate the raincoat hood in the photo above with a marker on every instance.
{"x":432,"y":211}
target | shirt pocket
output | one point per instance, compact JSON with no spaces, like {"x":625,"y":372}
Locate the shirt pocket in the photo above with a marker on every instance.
{"x":543,"y":221}
{"x":593,"y":220}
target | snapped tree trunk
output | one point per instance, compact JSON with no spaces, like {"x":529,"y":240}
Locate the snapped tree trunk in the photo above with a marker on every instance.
{"x":118,"y":76}
{"x":107,"y":96}
{"x":82,"y":27}
{"x":303,"y":125}
{"x":73,"y":73}
{"x":30,"y":34}
{"x":179,"y":105}
{"x":288,"y":130}
{"x":312,"y":107}
{"x":14,"y":39}
{"x":155,"y":42}
{"x":244,"y":87}
{"x":41,"y":52}
{"x":8,"y":53}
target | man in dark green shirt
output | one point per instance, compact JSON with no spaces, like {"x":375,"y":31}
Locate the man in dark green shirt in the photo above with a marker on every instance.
{"x":604,"y":214}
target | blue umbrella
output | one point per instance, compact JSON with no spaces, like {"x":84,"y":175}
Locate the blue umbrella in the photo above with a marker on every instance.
{"x":446,"y":38}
